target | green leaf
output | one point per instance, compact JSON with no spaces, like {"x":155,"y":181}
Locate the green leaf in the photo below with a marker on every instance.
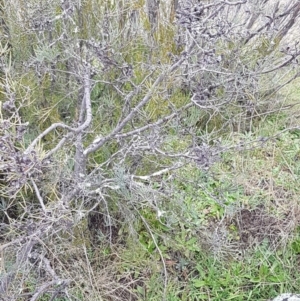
{"x":199,"y":283}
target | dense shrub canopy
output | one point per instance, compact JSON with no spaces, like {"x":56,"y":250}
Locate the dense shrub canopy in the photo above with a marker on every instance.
{"x":113,"y":116}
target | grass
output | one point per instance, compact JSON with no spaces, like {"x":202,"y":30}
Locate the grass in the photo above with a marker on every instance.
{"x":226,"y":231}
{"x":200,"y":237}
{"x":230,"y":232}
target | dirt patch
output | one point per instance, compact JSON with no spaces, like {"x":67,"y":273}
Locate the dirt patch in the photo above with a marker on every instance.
{"x":100,"y":227}
{"x":257,"y":226}
{"x":247,"y":228}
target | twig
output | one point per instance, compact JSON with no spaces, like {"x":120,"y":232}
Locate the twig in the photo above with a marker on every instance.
{"x":95,"y":146}
{"x":45,"y":286}
{"x":160,"y":254}
{"x":157,"y":123}
{"x":37,"y":192}
{"x":158,"y":173}
{"x":80,"y":128}
{"x":21,"y":259}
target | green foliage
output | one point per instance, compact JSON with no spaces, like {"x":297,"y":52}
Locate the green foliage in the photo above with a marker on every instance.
{"x":161,"y":229}
{"x":45,"y":54}
{"x":202,"y":197}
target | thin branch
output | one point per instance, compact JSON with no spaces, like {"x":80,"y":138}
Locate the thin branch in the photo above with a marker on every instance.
{"x":233,"y":3}
{"x":59,"y":145}
{"x":160,"y":254}
{"x":158,"y":173}
{"x":46,"y":132}
{"x":280,"y":16}
{"x":21,"y":259}
{"x":38,"y":195}
{"x":45,"y":286}
{"x":95,"y":146}
{"x":157,"y":123}
{"x":48,"y":267}
{"x":283,"y":64}
{"x":80,"y":128}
